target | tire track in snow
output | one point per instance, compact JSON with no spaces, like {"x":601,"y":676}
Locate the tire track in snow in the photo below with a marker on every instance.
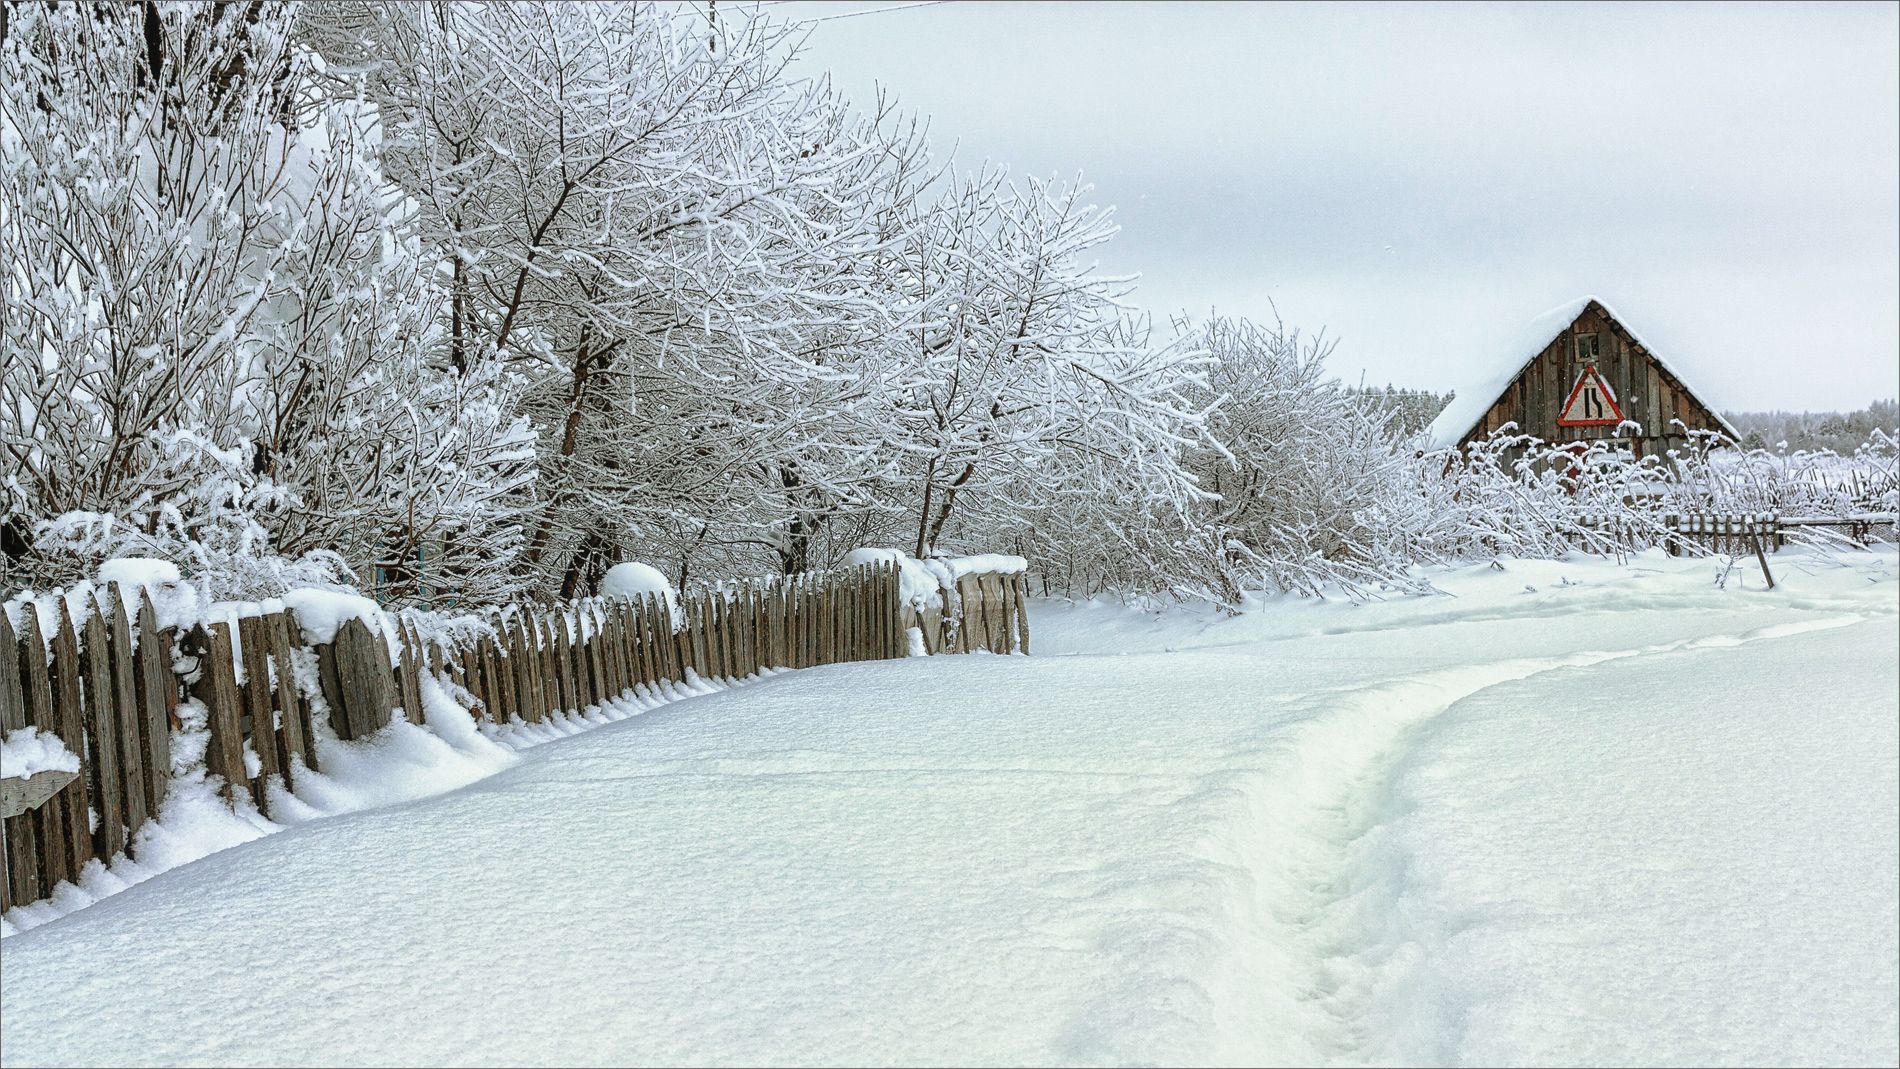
{"x":1330,"y":939}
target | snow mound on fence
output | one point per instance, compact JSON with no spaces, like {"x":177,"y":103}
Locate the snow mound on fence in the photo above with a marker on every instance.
{"x":176,"y":603}
{"x":986,"y":564}
{"x":321,"y":612}
{"x":921,"y":583}
{"x":29,"y":750}
{"x":634,"y":580}
{"x":139,"y":572}
{"x":918,"y":584}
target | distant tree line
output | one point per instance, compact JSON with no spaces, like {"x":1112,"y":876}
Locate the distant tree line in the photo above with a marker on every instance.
{"x":1411,"y":410}
{"x":1841,"y":432}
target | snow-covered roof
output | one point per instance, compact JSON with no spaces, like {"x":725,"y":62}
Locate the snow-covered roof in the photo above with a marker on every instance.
{"x":1474,"y":399}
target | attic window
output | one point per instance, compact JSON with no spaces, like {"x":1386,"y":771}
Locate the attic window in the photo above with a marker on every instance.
{"x":1586,"y":348}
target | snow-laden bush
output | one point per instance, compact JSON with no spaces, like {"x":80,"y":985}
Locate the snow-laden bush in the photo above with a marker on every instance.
{"x":1716,"y":476}
{"x":1294,"y":483}
{"x":1512,"y":494}
{"x":239,"y":366}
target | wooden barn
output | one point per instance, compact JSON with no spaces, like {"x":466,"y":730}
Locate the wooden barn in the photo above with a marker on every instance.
{"x":1577,"y":374}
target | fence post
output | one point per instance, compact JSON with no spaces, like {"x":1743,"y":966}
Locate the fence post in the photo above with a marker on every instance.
{"x":761,"y":630}
{"x":654,"y":666}
{"x":863,"y":595}
{"x":639,"y":644}
{"x":71,"y":802}
{"x":125,"y":702}
{"x":106,"y":782}
{"x":356,"y":677}
{"x":533,"y":671}
{"x":216,"y":690}
{"x":294,"y":730}
{"x":16,"y":695}
{"x":409,"y":688}
{"x":256,"y":698}
{"x":603,"y":652}
{"x":158,"y":697}
{"x":505,"y":671}
{"x":585,"y":645}
{"x":1022,"y":614}
{"x":554,"y":655}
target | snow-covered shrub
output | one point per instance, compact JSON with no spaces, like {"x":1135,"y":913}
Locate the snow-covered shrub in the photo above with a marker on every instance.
{"x":688,"y":292}
{"x":1716,"y":476}
{"x":1291,"y":480}
{"x":1306,"y":482}
{"x":1025,"y":382}
{"x":201,"y":508}
{"x":1517,"y":495}
{"x":237,"y":353}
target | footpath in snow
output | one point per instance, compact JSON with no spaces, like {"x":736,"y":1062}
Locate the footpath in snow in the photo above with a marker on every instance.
{"x":1577,"y":812}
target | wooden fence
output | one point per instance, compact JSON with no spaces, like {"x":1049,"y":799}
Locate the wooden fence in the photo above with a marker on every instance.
{"x":114,"y":687}
{"x":1738,"y":534}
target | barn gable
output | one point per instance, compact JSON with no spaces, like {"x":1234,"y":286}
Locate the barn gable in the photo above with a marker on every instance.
{"x":1544,"y":367}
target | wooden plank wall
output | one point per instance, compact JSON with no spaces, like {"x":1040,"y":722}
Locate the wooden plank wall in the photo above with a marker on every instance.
{"x":111,"y":689}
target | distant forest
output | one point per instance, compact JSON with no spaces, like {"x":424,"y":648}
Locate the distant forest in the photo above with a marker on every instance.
{"x":1839,"y":431}
{"x":1412,"y":410}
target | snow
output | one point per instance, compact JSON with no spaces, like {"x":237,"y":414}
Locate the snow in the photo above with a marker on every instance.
{"x":400,"y":764}
{"x":1573,"y":812}
{"x":923,"y":583}
{"x":633,"y":579}
{"x":320,"y":613}
{"x":918,"y":584}
{"x":1595,"y":926}
{"x":175,"y":604}
{"x":138,"y":572}
{"x":1473,"y":399}
{"x":985,"y":564}
{"x":25,"y":751}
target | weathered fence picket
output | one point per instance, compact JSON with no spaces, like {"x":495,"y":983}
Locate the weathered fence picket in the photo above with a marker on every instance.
{"x":70,"y":804}
{"x":21,"y":881}
{"x":158,"y":702}
{"x":125,"y":701}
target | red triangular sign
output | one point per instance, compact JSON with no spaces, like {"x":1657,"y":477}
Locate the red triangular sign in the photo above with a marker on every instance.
{"x":1592,"y":403}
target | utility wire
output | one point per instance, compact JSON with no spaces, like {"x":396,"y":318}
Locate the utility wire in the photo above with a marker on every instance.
{"x":869,"y":11}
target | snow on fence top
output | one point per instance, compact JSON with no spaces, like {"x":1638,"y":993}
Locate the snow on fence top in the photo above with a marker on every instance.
{"x":633,"y":579}
{"x":924,"y":581}
{"x":321,"y":612}
{"x":919,"y":584}
{"x":28,"y":750}
{"x":998,"y":563}
{"x":139,"y":572}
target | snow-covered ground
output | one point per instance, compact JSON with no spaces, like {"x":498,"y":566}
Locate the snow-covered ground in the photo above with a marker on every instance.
{"x":1574,"y":813}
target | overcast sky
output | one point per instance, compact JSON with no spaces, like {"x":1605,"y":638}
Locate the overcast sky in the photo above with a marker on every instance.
{"x":1421,"y":179}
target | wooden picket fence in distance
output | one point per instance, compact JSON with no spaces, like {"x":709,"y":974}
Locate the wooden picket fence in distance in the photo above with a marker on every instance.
{"x":1738,"y":533}
{"x":109,"y":688}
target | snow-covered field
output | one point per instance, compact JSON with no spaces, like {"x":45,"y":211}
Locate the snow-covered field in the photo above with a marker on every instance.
{"x":1575,"y":813}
